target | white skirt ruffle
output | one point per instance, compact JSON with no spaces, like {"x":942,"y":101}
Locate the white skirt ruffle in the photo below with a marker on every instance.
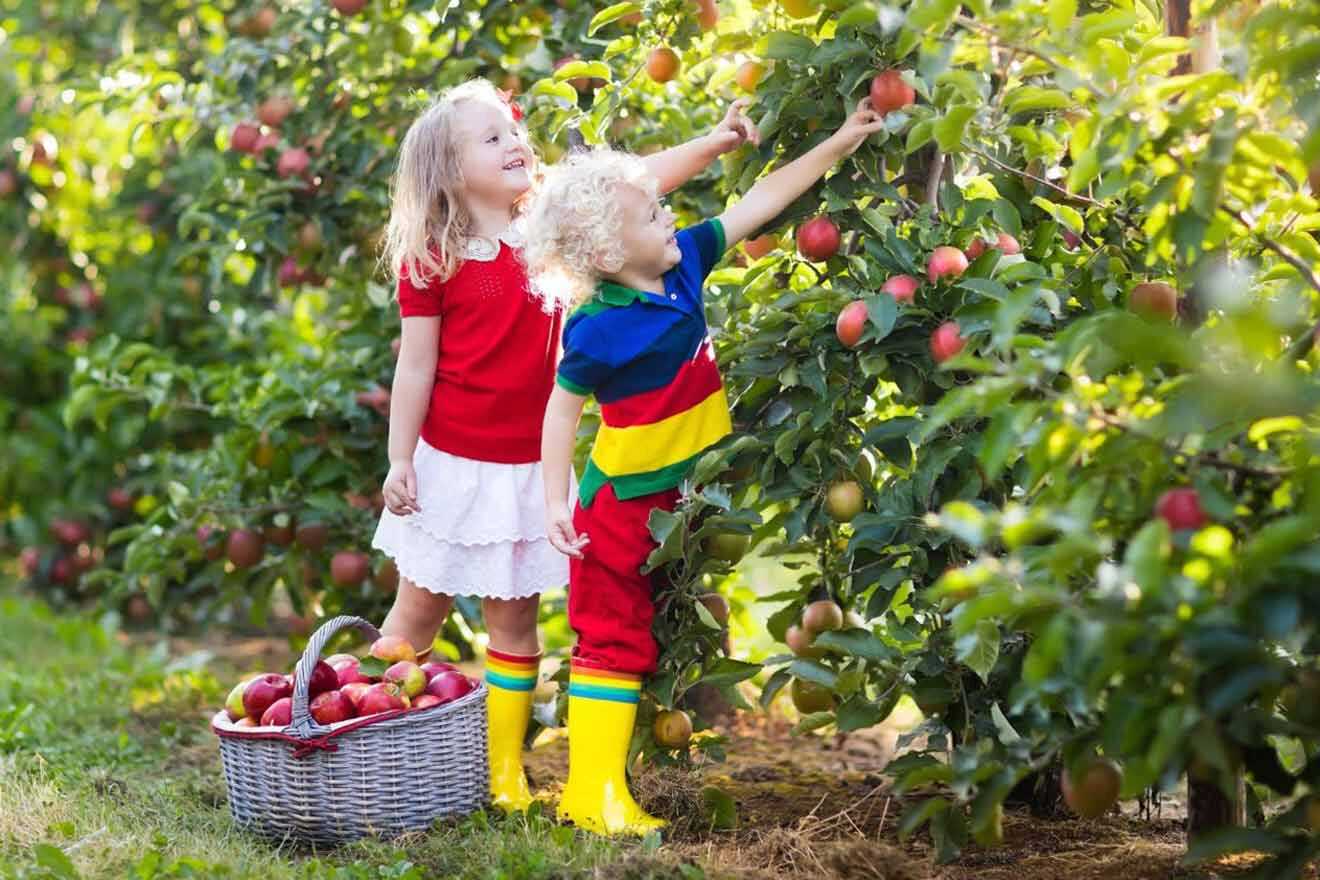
{"x":480,"y":532}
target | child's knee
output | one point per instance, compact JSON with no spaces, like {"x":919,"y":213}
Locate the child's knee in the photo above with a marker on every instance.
{"x":513,"y":616}
{"x":419,"y":606}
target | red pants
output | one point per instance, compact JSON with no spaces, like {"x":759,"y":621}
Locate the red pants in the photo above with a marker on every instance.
{"x":609,"y":599}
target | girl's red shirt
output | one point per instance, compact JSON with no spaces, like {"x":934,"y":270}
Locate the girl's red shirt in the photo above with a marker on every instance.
{"x":496,"y":363}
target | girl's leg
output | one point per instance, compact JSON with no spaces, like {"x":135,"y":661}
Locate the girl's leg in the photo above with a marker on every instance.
{"x":512,"y":666}
{"x":417,"y":615}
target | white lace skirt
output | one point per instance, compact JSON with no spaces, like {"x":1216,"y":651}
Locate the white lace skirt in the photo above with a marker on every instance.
{"x":481,"y":530}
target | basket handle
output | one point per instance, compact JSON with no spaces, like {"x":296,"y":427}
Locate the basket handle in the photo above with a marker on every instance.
{"x":304,"y":726}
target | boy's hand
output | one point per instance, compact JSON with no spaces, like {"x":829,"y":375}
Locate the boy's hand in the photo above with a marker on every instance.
{"x":563,"y":537}
{"x":400,"y":489}
{"x":863,"y":123}
{"x":735,"y":129}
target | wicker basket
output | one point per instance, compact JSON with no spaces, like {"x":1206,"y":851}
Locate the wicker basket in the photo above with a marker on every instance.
{"x":380,"y":775}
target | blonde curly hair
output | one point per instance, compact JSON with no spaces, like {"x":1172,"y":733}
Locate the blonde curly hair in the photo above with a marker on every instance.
{"x":429,"y":224}
{"x":573,"y":224}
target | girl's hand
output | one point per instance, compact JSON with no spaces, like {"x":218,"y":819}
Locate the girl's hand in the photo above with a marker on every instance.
{"x":400,"y":489}
{"x":735,"y":129}
{"x":563,"y":537}
{"x":863,"y":123}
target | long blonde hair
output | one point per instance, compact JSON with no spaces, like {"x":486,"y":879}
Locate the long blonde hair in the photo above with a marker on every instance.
{"x":573,"y":223}
{"x":429,"y":224}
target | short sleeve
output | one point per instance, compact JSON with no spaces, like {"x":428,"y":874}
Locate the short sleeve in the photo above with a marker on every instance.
{"x":702,"y":245}
{"x":419,"y":302}
{"x":585,"y":364}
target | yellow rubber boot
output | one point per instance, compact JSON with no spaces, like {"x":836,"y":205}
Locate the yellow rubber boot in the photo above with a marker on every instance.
{"x":511,"y":681}
{"x":602,"y":708}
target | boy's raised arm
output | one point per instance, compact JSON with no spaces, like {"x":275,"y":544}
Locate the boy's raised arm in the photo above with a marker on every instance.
{"x":773,"y":193}
{"x":677,"y":165}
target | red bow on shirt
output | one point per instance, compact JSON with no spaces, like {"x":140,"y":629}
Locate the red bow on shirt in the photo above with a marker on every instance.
{"x":507,"y":98}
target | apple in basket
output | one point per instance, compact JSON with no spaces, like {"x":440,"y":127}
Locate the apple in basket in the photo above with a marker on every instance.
{"x":432,"y":668}
{"x":383,"y":697}
{"x":278,"y":713}
{"x":348,"y":668}
{"x":264,"y":690}
{"x":408,"y":676}
{"x":426,"y":701}
{"x":332,"y":706}
{"x":245,"y":722}
{"x":324,"y":678}
{"x":392,"y":649}
{"x":355,"y":690}
{"x":449,"y":686}
{"x":234,"y":703}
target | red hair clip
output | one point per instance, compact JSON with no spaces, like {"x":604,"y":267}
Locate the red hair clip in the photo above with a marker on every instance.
{"x":507,"y":98}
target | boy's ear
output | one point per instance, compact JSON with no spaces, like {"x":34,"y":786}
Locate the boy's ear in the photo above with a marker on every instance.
{"x":607,"y":264}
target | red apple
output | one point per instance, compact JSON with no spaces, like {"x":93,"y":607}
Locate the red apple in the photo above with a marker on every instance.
{"x":889,"y":92}
{"x":119,"y":499}
{"x":348,"y":569}
{"x":8,"y":183}
{"x":851,"y":323}
{"x":975,"y":249}
{"x":945,"y":342}
{"x":382,"y":697}
{"x":245,"y":548}
{"x":1154,"y":299}
{"x":818,"y":239}
{"x":945,"y":260}
{"x":426,"y":701}
{"x":278,"y":713}
{"x":449,"y":686}
{"x":393,"y":649}
{"x":245,"y":722}
{"x":274,"y":110}
{"x":1008,"y":245}
{"x":69,"y":532}
{"x":1181,"y":509}
{"x":264,"y":690}
{"x":290,"y":274}
{"x":324,"y":678}
{"x":355,"y":690}
{"x":349,"y":7}
{"x":212,"y":541}
{"x":432,"y":668}
{"x":293,"y":162}
{"x":349,"y":671}
{"x":30,"y":561}
{"x":312,"y":536}
{"x":245,"y":137}
{"x":332,"y":706}
{"x":268,"y":141}
{"x":1071,"y":239}
{"x":408,"y":676}
{"x":903,"y":288}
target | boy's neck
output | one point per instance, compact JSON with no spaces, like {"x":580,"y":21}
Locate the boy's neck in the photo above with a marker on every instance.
{"x":638,"y":281}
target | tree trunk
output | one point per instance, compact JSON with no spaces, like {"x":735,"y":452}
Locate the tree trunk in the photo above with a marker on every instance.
{"x":1178,"y":23}
{"x":1209,"y":809}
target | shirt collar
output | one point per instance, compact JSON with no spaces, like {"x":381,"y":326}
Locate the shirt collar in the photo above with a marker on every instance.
{"x":611,"y":293}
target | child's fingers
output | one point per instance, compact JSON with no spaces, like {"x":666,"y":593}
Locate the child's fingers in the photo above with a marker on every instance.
{"x":738,"y":106}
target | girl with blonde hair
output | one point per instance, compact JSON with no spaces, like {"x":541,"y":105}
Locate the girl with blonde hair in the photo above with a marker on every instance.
{"x":465,"y":512}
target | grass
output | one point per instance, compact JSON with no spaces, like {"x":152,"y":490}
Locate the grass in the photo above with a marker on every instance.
{"x":108,"y":769}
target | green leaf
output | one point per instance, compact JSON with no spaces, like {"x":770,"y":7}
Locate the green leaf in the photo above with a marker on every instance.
{"x":1024,"y":99}
{"x":919,"y":135}
{"x":1065,"y":214}
{"x":810,"y":670}
{"x":54,"y":860}
{"x":785,"y":46}
{"x":1148,"y":553}
{"x":574,"y":69}
{"x":979,"y":649}
{"x":949,"y":128}
{"x":611,"y":14}
{"x":1061,"y":14}
{"x":373,"y":667}
{"x":932,"y":15}
{"x":856,"y":643}
{"x":718,"y":808}
{"x":919,"y":814}
{"x":882,"y":311}
{"x":1007,"y":734}
{"x":728,"y":671}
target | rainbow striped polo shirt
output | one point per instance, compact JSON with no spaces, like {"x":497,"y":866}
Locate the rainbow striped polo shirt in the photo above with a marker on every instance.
{"x":649,"y":361}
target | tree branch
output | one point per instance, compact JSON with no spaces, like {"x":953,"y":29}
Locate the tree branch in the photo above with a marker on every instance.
{"x":1026,"y":175}
{"x":1208,"y":459}
{"x":1298,"y":348}
{"x":933,"y":181}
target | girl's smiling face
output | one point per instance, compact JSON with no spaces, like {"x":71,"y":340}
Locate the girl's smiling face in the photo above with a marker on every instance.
{"x":493,"y":153}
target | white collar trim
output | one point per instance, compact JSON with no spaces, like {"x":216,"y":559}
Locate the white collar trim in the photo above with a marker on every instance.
{"x":485,"y":250}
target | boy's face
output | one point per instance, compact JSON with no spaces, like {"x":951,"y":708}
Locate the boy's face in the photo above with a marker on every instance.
{"x":493,"y":150}
{"x":649,"y":246}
